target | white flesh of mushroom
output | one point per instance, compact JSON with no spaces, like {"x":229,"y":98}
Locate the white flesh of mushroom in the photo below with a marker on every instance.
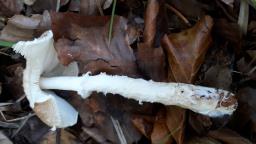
{"x":41,"y":59}
{"x":199,"y":99}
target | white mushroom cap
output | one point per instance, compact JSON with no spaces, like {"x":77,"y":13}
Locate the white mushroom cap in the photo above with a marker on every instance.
{"x":41,"y":59}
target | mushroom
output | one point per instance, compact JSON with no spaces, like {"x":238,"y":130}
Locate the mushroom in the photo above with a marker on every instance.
{"x":42,"y":59}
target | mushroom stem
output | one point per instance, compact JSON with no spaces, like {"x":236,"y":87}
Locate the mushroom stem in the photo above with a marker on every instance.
{"x":208,"y":101}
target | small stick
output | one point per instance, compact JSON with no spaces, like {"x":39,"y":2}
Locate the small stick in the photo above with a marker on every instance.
{"x":179,"y":14}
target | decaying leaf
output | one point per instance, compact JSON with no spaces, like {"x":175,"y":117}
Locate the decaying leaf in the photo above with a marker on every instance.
{"x":143,"y":124}
{"x":176,"y":123}
{"x":247,"y":69}
{"x":226,"y":34}
{"x":4,"y":139}
{"x":10,"y":7}
{"x":201,"y":124}
{"x":244,"y":120}
{"x":151,"y":59}
{"x":161,"y":133}
{"x":218,"y":76}
{"x":96,"y":119}
{"x":65,"y":137}
{"x":202,"y":140}
{"x":186,"y":50}
{"x":32,"y":131}
{"x":188,"y":7}
{"x":74,"y":5}
{"x":13,"y":81}
{"x":93,"y":7}
{"x":20,"y":28}
{"x":41,"y":5}
{"x":228,"y":136}
{"x":89,"y":45}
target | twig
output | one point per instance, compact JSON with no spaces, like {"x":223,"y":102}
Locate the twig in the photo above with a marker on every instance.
{"x":225,"y":11}
{"x":5,"y":104}
{"x":12,"y":120}
{"x":119,"y":130}
{"x":22,"y":124}
{"x":58,"y":136}
{"x":243,"y":16}
{"x":57,"y":5}
{"x":20,"y":99}
{"x":8,"y":125}
{"x":3,"y":53}
{"x":99,"y":8}
{"x":179,"y":14}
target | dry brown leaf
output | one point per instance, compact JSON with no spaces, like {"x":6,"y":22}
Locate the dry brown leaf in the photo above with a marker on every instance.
{"x":151,"y":59}
{"x":20,"y":28}
{"x":202,"y":140}
{"x":200,"y":123}
{"x":186,"y":50}
{"x":244,"y":120}
{"x":14,"y":79}
{"x":228,"y":136}
{"x":95,"y":116}
{"x":10,"y":7}
{"x":89,"y":45}
{"x":143,"y":124}
{"x":32,"y":131}
{"x":175,"y":120}
{"x":41,"y":5}
{"x":160,"y":133}
{"x":218,"y":76}
{"x":187,"y":8}
{"x":65,"y":137}
{"x":74,"y":5}
{"x":247,"y":69}
{"x":93,"y":7}
{"x":227,"y":34}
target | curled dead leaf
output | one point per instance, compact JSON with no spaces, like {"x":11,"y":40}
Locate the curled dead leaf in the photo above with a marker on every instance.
{"x":151,"y":59}
{"x":186,"y":50}
{"x":20,"y":27}
{"x":228,"y":136}
{"x":161,"y":133}
{"x":10,"y":7}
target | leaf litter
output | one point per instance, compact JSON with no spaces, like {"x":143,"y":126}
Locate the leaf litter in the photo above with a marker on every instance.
{"x":198,"y":42}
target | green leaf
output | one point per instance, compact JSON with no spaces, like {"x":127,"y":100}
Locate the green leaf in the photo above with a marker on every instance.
{"x":6,"y":44}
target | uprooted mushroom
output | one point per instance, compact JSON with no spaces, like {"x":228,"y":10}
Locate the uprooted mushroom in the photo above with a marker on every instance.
{"x":43,"y":71}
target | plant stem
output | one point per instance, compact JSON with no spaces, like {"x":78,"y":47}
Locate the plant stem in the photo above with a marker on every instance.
{"x":243,"y":16}
{"x":111,"y":22}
